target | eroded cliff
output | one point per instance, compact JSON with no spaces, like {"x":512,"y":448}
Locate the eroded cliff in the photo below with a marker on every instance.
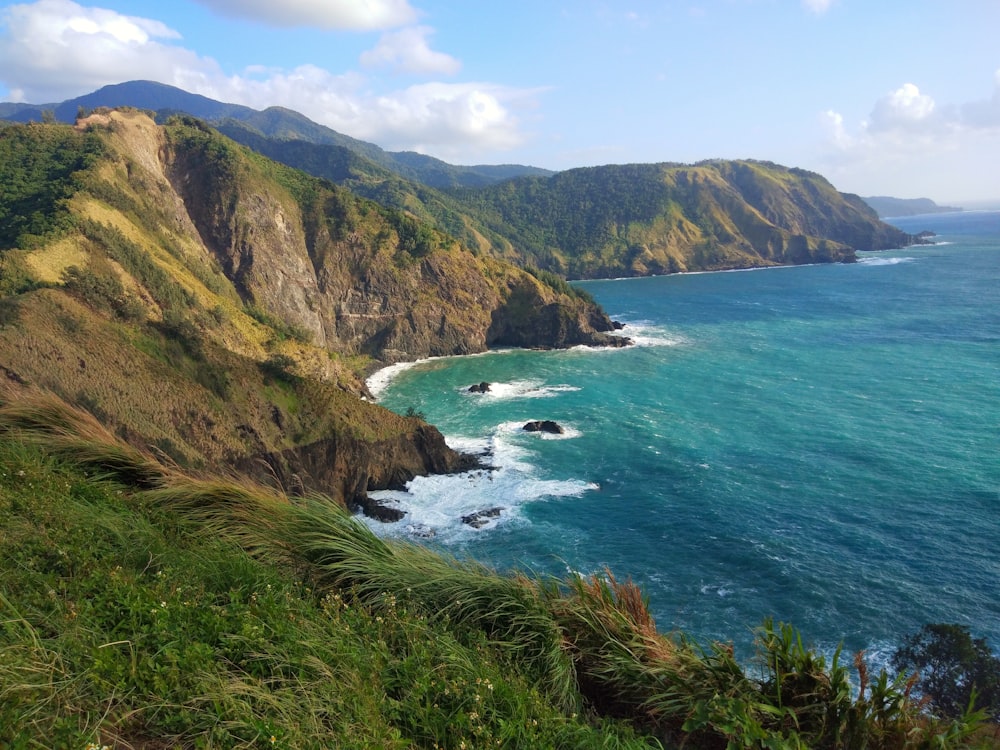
{"x":221,"y":309}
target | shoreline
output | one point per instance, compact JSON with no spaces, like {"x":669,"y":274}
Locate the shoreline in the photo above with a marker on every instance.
{"x":381,"y":378}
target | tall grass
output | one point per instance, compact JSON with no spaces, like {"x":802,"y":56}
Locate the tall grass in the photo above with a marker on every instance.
{"x":214,"y":612}
{"x":45,"y":420}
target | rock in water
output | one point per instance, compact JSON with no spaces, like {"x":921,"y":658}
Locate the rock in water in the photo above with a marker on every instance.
{"x":544,"y":425}
{"x":481,"y":517}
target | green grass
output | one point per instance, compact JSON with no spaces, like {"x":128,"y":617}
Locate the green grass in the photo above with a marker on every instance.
{"x":140,"y":607}
{"x":124,"y":620}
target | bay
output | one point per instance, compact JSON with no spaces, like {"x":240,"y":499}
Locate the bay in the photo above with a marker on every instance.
{"x":816,"y":443}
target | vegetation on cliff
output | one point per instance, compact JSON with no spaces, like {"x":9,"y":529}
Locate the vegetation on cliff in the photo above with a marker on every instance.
{"x":620,"y":220}
{"x":249,"y":297}
{"x":615,"y":220}
{"x":144,"y":607}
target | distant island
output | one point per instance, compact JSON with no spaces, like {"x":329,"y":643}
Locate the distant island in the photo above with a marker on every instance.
{"x":885,"y":206}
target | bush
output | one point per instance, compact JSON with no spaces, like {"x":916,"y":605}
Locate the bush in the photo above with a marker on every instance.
{"x":100,"y":288}
{"x":955,"y":670}
{"x":279,"y":367}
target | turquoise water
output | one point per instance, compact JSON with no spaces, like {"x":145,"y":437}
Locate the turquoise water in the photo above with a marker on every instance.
{"x":818,"y":444}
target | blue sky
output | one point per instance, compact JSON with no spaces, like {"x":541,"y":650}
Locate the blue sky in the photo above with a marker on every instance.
{"x":882,"y":97}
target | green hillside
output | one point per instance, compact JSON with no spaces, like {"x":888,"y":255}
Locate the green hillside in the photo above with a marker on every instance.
{"x":141,"y":607}
{"x":250,"y":298}
{"x":620,"y":220}
{"x":640,"y":219}
{"x":610,"y":221}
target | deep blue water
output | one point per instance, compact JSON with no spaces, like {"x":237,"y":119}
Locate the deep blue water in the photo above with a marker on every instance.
{"x":818,"y":444}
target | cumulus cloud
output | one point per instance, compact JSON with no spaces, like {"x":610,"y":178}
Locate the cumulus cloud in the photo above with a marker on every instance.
{"x":53,"y":50}
{"x":909,"y":139}
{"x":352,"y":15}
{"x":446,"y":118}
{"x":904,"y":109}
{"x":407,"y":51}
{"x":907,"y":119}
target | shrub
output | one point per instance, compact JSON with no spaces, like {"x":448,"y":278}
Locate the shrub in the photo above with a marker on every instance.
{"x":955,"y":670}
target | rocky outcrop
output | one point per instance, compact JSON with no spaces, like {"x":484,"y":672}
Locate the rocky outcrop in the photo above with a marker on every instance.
{"x":482,"y":517}
{"x":544,"y":425}
{"x":348,"y":468}
{"x":531,"y":317}
{"x":358,"y":278}
{"x":483,"y":387}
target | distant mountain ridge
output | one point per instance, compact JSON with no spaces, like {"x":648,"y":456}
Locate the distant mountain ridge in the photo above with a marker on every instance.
{"x":273,"y":122}
{"x":886,"y":206}
{"x":594,"y":222}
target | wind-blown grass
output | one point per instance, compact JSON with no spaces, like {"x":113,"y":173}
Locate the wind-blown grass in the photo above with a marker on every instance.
{"x":145,"y":608}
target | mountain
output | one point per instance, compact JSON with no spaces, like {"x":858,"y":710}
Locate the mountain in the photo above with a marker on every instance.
{"x":274,"y":122}
{"x":886,"y":206}
{"x":222,"y":308}
{"x":609,"y":221}
{"x":640,"y":219}
{"x":621,"y":220}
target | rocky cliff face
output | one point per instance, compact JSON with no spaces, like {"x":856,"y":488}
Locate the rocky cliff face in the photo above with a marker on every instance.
{"x":347,"y":468}
{"x":642,"y":219}
{"x":359,"y":278}
{"x":219,"y":308}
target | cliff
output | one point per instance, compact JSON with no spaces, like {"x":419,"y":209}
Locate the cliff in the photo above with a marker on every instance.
{"x":222,"y":309}
{"x":609,"y":221}
{"x":641,"y":219}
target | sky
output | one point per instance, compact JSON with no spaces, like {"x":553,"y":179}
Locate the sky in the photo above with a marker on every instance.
{"x":882,"y":97}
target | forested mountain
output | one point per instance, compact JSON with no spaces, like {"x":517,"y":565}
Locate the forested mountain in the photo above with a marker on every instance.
{"x":250,"y":298}
{"x":641,"y":219}
{"x":622,"y":220}
{"x":615,"y":220}
{"x":274,"y":122}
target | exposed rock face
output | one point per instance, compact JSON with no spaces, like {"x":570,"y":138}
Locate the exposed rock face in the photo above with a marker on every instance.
{"x":483,"y":387}
{"x":359,"y":278}
{"x":348,"y":468}
{"x":530,"y":318}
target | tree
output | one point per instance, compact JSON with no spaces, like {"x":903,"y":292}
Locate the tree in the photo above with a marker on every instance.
{"x":951,"y":666}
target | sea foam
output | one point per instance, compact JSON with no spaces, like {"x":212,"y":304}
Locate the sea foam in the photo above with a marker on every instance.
{"x":884,"y":261}
{"x":435,"y":505}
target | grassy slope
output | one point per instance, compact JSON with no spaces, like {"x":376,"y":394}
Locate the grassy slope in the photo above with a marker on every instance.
{"x":143,"y":608}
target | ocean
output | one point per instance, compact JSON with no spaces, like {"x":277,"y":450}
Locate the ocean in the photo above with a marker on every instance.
{"x":817,"y":444}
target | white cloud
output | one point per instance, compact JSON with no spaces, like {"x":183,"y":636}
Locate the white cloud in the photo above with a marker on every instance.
{"x":833,"y":122}
{"x":904,"y":109}
{"x":448,"y":118}
{"x":818,"y":6}
{"x":407,"y":51}
{"x":910,"y":140}
{"x":353,"y":15}
{"x":52,"y":50}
